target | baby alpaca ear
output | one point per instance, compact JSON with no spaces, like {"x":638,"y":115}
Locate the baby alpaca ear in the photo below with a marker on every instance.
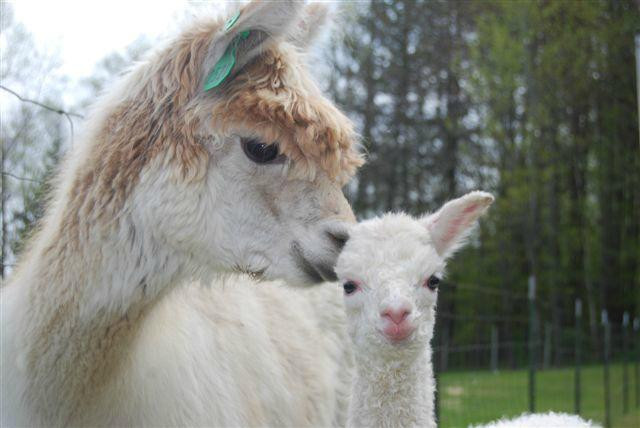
{"x":451,"y":224}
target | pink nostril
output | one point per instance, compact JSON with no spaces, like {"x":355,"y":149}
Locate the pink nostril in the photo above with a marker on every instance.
{"x":396,"y":315}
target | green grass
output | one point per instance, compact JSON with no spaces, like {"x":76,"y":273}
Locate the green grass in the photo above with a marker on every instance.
{"x":476,"y":397}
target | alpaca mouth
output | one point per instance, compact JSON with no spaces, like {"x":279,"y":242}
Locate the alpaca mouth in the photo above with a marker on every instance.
{"x":397,"y":333}
{"x":316,"y":272}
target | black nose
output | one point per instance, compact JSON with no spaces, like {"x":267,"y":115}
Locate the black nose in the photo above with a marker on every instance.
{"x":338,"y":237}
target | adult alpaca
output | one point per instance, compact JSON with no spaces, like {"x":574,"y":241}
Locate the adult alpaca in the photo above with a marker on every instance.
{"x":173,"y":182}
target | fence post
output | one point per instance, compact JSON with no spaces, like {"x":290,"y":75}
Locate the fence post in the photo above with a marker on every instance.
{"x":625,"y":362}
{"x":494,"y":348}
{"x":636,"y":339}
{"x":578,"y":357}
{"x":532,"y":343}
{"x":546,"y":353}
{"x":436,"y":398}
{"x":436,"y":376}
{"x":605,"y":354}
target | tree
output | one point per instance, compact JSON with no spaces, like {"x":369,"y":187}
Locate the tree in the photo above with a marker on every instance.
{"x":531,"y":100}
{"x":30,"y":134}
{"x":33,"y":137}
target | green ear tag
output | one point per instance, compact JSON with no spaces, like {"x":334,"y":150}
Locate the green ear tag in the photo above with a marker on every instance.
{"x":225,"y":64}
{"x":231,"y":22}
{"x":223,"y":67}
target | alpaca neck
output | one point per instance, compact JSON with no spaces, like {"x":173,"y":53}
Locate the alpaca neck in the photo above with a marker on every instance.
{"x":80,"y":303}
{"x":394,"y":392}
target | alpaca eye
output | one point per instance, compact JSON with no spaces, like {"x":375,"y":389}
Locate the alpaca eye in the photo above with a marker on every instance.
{"x":432,"y":282}
{"x":350,"y":287}
{"x":258,"y":151}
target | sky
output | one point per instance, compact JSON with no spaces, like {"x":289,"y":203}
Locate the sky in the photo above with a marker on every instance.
{"x":78,"y":34}
{"x":83,"y":32}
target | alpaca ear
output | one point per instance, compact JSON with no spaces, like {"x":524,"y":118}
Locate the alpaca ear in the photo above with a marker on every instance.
{"x":451,"y":224}
{"x":314,"y":18}
{"x":244,"y":36}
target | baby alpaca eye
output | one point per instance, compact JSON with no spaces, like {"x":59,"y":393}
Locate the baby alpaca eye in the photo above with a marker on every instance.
{"x":350,"y":287}
{"x":432,"y":282}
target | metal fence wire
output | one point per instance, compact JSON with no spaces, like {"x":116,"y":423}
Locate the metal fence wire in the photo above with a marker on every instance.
{"x":561,"y":370}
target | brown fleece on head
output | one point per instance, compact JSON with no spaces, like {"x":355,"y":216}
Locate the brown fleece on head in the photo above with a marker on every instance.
{"x":275,"y":98}
{"x":155,"y":119}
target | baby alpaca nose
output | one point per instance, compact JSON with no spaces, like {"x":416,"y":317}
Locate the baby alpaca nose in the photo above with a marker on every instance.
{"x":397,"y":315}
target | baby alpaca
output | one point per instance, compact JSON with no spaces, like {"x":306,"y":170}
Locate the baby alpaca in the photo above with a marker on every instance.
{"x":390,"y":268}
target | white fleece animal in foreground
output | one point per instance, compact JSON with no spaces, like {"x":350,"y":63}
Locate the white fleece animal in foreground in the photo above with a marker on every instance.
{"x":390,"y":269}
{"x":541,"y":420}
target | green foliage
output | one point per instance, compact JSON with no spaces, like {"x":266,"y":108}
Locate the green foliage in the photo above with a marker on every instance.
{"x":31,"y":136}
{"x":532,"y":100}
{"x":34,"y":194}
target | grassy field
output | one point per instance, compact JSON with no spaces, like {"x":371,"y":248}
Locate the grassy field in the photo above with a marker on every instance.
{"x":474,"y":397}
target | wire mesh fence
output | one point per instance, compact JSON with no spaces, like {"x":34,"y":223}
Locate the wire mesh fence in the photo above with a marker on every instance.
{"x":563,"y":369}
